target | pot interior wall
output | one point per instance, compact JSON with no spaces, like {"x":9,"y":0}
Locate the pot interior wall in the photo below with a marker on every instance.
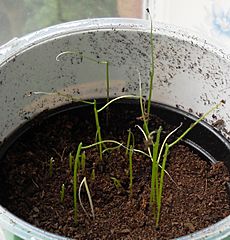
{"x":187,"y":74}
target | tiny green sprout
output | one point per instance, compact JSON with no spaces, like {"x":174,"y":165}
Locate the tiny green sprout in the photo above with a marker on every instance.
{"x":117,"y":183}
{"x":83,"y":157}
{"x":62,"y":192}
{"x":131,"y":171}
{"x":51,"y":162}
{"x":70,"y":161}
{"x":93,"y":174}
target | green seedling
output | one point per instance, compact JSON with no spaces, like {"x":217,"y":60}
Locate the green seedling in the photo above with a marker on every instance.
{"x":131,"y":171}
{"x":166,"y":146}
{"x":98,"y":128}
{"x":106,"y":63}
{"x":51,"y":162}
{"x":62,"y":192}
{"x":89,"y":197}
{"x":152,"y":65}
{"x":154,"y":176}
{"x":117,"y":183}
{"x":76,"y":168}
{"x":93,"y":174}
{"x":130,"y":134}
{"x":83,"y":157}
{"x":71,"y":162}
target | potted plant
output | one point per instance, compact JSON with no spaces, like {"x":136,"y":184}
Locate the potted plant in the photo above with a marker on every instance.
{"x":182,"y":63}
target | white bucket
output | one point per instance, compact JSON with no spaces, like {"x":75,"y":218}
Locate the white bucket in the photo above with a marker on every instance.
{"x":189,"y":74}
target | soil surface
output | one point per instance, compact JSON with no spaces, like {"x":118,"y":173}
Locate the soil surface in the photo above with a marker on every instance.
{"x":197,"y":198}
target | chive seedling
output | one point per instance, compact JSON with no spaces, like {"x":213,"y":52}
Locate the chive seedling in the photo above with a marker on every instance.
{"x":130,"y":134}
{"x":76,"y":167}
{"x":62,"y":192}
{"x":106,"y":63}
{"x":154,"y":175}
{"x":83,"y":157}
{"x":98,"y":134}
{"x":70,"y":161}
{"x":116,"y":183}
{"x":51,"y":162}
{"x":131,"y":171}
{"x":152,"y":65}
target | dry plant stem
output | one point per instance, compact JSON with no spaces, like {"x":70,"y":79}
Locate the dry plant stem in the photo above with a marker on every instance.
{"x":76,"y":166}
{"x":89,"y":197}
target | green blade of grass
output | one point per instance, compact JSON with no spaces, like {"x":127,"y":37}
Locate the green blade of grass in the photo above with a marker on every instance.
{"x":76,"y":166}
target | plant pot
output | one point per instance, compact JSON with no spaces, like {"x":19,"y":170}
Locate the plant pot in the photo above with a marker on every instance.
{"x":189,"y":74}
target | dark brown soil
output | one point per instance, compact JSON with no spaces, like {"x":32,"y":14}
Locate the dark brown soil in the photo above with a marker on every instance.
{"x":198,"y":199}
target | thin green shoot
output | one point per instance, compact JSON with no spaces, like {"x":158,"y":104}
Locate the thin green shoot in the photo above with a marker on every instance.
{"x":107,"y":93}
{"x":102,"y":142}
{"x":166,"y":152}
{"x":152,"y":64}
{"x":70,"y":161}
{"x":116,"y":99}
{"x":131,"y":171}
{"x":146,"y":139}
{"x":117,"y":183}
{"x":93,"y":174}
{"x":130,"y":134}
{"x":62,"y":192}
{"x":51,"y":163}
{"x":165,"y":140}
{"x":143,"y":114}
{"x":82,"y":56}
{"x":119,"y":145}
{"x":154,"y":175}
{"x":98,"y":128}
{"x":89,"y":197}
{"x":83,"y":157}
{"x":128,"y":142}
{"x":75,"y":177}
{"x":161,"y":184}
{"x":109,"y":149}
{"x":195,"y":123}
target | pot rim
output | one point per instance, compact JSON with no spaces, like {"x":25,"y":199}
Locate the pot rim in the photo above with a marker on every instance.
{"x":19,"y":45}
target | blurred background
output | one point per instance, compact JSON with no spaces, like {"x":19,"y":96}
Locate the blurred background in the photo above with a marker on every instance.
{"x":208,"y":19}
